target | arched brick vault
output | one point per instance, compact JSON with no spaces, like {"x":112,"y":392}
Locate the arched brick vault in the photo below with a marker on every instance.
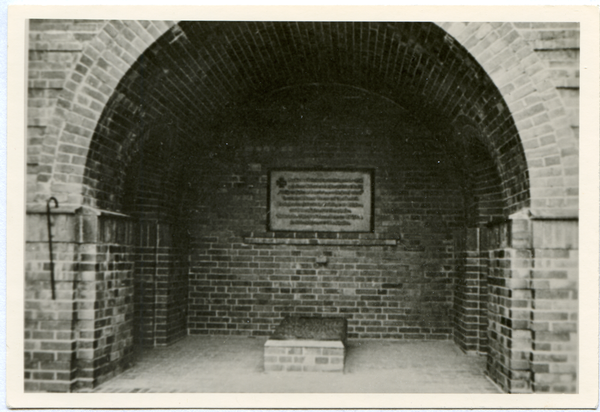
{"x":134,"y":75}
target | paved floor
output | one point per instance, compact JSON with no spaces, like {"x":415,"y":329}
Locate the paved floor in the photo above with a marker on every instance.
{"x":234,"y":365}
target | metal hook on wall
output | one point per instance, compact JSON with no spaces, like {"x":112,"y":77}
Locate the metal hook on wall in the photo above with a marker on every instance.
{"x":52,"y":199}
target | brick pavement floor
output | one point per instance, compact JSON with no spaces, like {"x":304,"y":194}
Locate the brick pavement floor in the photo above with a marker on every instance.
{"x":234,"y":365}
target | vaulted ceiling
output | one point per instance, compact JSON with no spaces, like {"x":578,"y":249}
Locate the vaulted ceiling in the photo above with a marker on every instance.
{"x":200,"y":74}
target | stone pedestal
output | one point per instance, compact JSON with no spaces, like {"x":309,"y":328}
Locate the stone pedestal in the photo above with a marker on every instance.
{"x":305,"y":344}
{"x":304,"y":356}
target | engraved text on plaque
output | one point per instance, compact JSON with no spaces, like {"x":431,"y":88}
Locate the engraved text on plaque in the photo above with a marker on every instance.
{"x":321,"y":200}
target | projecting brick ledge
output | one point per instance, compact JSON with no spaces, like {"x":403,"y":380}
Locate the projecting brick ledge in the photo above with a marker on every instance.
{"x":318,"y":242}
{"x":304,"y":356}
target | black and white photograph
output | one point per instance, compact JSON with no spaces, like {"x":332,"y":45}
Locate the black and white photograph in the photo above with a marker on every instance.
{"x":310,"y":206}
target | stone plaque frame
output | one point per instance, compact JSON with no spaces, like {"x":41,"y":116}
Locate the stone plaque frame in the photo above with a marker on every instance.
{"x":341,"y":200}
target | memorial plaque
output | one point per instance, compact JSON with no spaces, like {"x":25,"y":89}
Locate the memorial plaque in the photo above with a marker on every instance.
{"x":321,"y":200}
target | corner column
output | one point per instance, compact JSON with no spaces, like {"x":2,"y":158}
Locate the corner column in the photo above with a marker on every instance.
{"x":470,"y":304}
{"x":533,"y":303}
{"x":554,"y":316}
{"x":82,"y":337}
{"x":50,"y":324}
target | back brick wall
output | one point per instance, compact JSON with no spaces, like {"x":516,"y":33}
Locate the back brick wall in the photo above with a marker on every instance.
{"x":403,"y":291}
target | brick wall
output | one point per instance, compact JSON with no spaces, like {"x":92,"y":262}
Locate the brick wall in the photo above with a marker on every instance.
{"x":484,"y":203}
{"x":55,"y":50}
{"x":403,"y":291}
{"x":540,"y":91}
{"x":154,"y":200}
{"x":556,"y":44}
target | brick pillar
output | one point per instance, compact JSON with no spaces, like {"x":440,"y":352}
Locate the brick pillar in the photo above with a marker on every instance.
{"x":554,"y":317}
{"x":105,"y":300}
{"x":509,"y":304}
{"x":82,"y":337}
{"x":161,"y":285}
{"x":533,"y":292}
{"x":50,"y":325}
{"x":470,"y":304}
{"x":144,"y":282}
{"x":173,"y":284}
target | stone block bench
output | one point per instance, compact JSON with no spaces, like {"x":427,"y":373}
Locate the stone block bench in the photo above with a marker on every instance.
{"x":307,"y":344}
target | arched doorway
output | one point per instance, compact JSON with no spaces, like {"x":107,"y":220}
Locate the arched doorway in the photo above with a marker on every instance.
{"x":213,"y":96}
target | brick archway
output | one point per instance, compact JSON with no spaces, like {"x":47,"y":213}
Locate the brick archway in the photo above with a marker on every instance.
{"x":522,"y":78}
{"x":132,"y":82}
